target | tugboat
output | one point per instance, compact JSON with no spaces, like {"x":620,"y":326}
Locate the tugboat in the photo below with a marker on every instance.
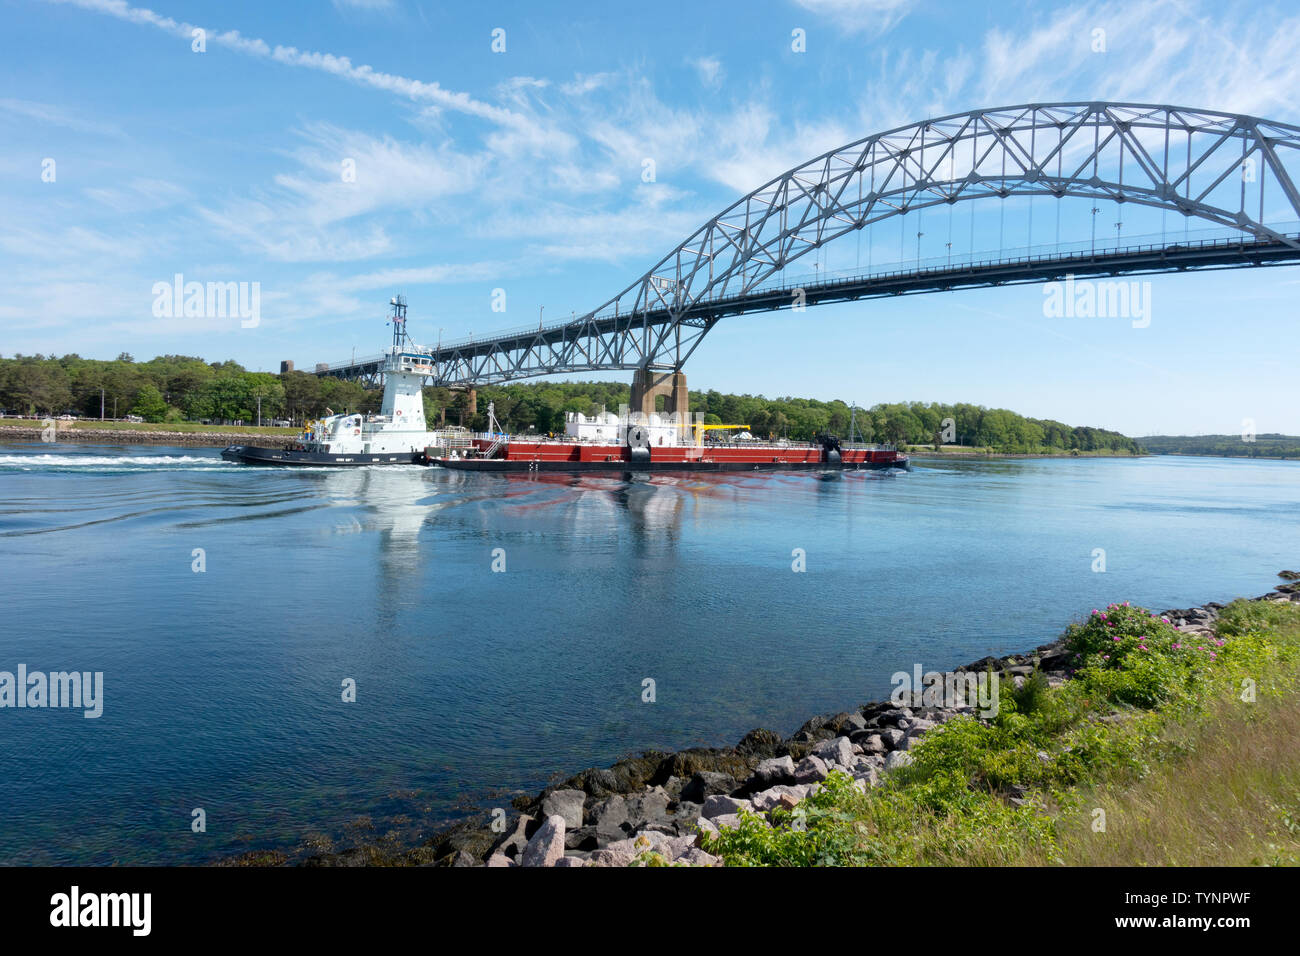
{"x":632,"y":441}
{"x":396,"y":436}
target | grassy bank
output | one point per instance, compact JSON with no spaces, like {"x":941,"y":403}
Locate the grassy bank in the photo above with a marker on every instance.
{"x":1163,"y":749}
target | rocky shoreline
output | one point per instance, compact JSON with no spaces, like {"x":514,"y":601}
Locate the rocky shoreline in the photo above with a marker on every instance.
{"x":122,"y":436}
{"x":661,"y":802}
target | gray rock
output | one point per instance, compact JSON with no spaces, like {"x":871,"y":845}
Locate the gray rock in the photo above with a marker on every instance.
{"x":567,"y":804}
{"x":838,"y":751}
{"x":853,"y":722}
{"x":780,"y":795}
{"x":811,"y":769}
{"x":498,"y":859}
{"x":891,"y":718}
{"x":546,"y":848}
{"x":705,"y":784}
{"x":867,"y":763}
{"x":705,"y":825}
{"x":611,"y":857}
{"x":673,"y":787}
{"x":582,"y":838}
{"x":608,"y":816}
{"x":870,"y":741}
{"x":866,"y":779}
{"x":891,"y":737}
{"x":697,"y":857}
{"x":677,"y":847}
{"x":570,"y":861}
{"x":649,"y":808}
{"x":770,"y":772}
{"x":915,"y":725}
{"x":720,"y":804}
{"x":899,"y":758}
{"x":686,"y":814}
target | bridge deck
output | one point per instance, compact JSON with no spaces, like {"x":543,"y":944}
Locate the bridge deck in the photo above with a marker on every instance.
{"x":1134,"y":260}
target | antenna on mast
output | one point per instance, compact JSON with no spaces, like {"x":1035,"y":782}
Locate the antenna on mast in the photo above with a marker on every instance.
{"x":398,"y":318}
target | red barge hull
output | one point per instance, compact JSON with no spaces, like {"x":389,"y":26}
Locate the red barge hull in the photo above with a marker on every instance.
{"x":579,"y":457}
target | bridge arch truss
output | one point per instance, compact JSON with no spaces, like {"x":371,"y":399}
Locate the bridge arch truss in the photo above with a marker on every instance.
{"x":1229,"y":170}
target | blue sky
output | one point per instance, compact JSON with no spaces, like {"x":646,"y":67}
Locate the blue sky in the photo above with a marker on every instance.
{"x":522,"y":170}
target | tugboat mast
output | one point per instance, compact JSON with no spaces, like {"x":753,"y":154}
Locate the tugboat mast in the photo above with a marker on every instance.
{"x":398,"y":318}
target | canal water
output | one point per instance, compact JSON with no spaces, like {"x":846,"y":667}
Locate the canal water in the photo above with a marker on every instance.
{"x":501,"y":630}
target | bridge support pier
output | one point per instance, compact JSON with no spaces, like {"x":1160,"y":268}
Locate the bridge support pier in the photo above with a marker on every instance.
{"x":648,"y":385}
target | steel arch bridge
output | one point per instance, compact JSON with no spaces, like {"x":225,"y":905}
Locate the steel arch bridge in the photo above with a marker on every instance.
{"x":1230,"y":170}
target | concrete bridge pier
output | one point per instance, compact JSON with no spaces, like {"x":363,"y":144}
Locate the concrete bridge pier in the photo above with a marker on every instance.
{"x":648,"y":385}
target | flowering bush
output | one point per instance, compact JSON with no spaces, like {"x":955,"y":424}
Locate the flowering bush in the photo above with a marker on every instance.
{"x":1136,"y":656}
{"x":1108,"y":638}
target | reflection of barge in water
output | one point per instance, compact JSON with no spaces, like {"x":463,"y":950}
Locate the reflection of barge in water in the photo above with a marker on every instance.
{"x":635,"y":442}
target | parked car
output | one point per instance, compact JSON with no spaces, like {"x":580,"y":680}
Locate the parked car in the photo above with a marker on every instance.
{"x":281,"y":423}
{"x":134,"y":418}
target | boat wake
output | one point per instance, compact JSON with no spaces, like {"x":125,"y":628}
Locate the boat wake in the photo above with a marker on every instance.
{"x":74,"y":461}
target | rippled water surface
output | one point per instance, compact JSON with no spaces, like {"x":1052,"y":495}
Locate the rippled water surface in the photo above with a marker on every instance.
{"x":223,"y":688}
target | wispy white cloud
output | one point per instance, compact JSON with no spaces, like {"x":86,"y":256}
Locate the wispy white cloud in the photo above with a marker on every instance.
{"x":710,"y":71}
{"x":860,"y":16}
{"x":364,"y":4}
{"x":141,"y":195}
{"x":58,"y":116}
{"x":341,"y":66}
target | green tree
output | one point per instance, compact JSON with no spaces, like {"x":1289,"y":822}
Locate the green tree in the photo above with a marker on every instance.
{"x":149,"y":404}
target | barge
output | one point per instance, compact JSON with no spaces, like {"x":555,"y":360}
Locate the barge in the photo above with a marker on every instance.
{"x":637,"y":442}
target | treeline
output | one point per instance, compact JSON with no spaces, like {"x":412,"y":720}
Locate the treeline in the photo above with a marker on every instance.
{"x":542,"y":406}
{"x":173,"y":388}
{"x":169,"y":388}
{"x":1271,"y":445}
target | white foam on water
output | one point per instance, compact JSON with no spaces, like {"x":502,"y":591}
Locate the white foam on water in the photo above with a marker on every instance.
{"x":108,"y":461}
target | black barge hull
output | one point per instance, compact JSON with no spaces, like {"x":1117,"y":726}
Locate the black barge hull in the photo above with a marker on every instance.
{"x":252,"y":455}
